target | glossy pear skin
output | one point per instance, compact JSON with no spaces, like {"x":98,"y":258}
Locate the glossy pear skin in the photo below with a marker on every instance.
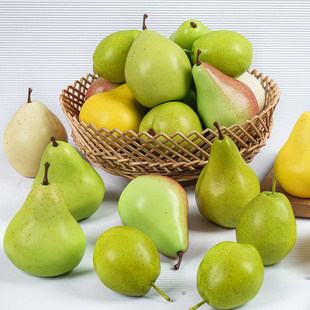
{"x":110,"y":55}
{"x":158,"y":206}
{"x":157,"y":70}
{"x":268,"y":223}
{"x":126,"y":261}
{"x":222,"y":98}
{"x":292,"y":164}
{"x":82,"y":186}
{"x":230,"y":275}
{"x":43,"y":238}
{"x":225,"y":185}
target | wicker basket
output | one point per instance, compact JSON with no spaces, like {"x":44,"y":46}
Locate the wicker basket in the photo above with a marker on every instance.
{"x":129,"y":155}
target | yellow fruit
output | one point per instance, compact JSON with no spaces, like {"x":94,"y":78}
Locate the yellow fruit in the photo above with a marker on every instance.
{"x":113,"y":109}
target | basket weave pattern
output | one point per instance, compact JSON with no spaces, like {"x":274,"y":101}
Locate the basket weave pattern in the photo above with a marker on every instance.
{"x":129,"y":154}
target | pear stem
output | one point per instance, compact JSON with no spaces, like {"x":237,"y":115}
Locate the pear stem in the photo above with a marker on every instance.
{"x":29,"y":95}
{"x":161,"y":292}
{"x":53,"y":139}
{"x":198,"y":305}
{"x":221,"y":136}
{"x":45,"y":179}
{"x":145,"y":16}
{"x":177,"y":265}
{"x":193,"y":24}
{"x":274,"y":183}
{"x":152,"y":132}
{"x":198,"y":63}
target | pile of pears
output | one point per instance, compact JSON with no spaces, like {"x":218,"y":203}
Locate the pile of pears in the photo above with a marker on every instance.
{"x":180,"y":84}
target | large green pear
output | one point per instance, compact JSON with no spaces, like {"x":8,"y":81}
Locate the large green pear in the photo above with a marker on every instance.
{"x":80,"y":183}
{"x":229,"y":275}
{"x":110,"y":55}
{"x":157,"y":70}
{"x":269,"y":224}
{"x":43,"y":238}
{"x":126,"y":261}
{"x":226,"y":184}
{"x":226,"y":50}
{"x":158,"y":206}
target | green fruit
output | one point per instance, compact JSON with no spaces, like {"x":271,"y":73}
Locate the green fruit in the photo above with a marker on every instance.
{"x":127,"y":261}
{"x":229,"y":275}
{"x":157,"y":70}
{"x":43,"y":238}
{"x":268,"y":223}
{"x":158,"y":206}
{"x":110,"y":55}
{"x":226,"y":184}
{"x":82,"y":186}
{"x":228,"y":51}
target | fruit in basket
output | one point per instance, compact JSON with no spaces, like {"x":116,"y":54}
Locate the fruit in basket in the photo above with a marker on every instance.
{"x":110,"y":55}
{"x":220,"y":97}
{"x":127,"y":261}
{"x":292,"y":164}
{"x":158,"y":206}
{"x":114,"y":109}
{"x":256,"y":87}
{"x":170,"y":117}
{"x":229,"y":275}
{"x":226,"y":50}
{"x":188,"y":32}
{"x":43,"y":238}
{"x":100,"y":85}
{"x":268,"y":223}
{"x":27,"y":134}
{"x":226,"y":184}
{"x":81,"y":185}
{"x":157,"y":70}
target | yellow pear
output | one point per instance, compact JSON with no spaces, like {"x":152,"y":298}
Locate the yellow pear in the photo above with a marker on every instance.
{"x":292,"y":164}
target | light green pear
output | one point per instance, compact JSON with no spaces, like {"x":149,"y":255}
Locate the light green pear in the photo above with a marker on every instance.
{"x":43,"y":238}
{"x":157,"y":70}
{"x":226,"y":184}
{"x":110,"y":55}
{"x":158,"y":206}
{"x":268,"y":223}
{"x":80,"y":183}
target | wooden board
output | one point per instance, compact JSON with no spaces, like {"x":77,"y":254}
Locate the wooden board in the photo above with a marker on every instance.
{"x":301,"y":206}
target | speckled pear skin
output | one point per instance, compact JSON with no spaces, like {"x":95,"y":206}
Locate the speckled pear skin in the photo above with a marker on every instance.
{"x":126,"y":260}
{"x":225,"y":185}
{"x":43,"y":238}
{"x":268,"y":223}
{"x":222,"y":98}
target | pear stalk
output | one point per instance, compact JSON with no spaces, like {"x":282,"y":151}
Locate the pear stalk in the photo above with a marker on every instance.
{"x":221,"y":136}
{"x":29,"y":95}
{"x":198,"y":305}
{"x":198,"y":63}
{"x":145,"y":16}
{"x":274,"y":183}
{"x":177,"y":265}
{"x":161,"y":292}
{"x":45,"y":179}
{"x":53,"y":139}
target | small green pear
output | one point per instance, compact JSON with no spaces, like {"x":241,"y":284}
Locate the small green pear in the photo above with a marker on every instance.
{"x":229,"y":275}
{"x":226,"y":184}
{"x":269,"y":224}
{"x":43,"y":238}
{"x":127,"y":261}
{"x":80,"y":183}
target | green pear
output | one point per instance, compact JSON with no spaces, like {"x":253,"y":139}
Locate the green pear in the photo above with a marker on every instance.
{"x":158,"y":206}
{"x":171,"y":117}
{"x":110,"y":55}
{"x":28,"y":133}
{"x":229,"y":275}
{"x":188,"y":32}
{"x":157,"y":70}
{"x":80,"y":183}
{"x":43,"y":238}
{"x":222,"y":98}
{"x":226,"y":184}
{"x":228,"y":51}
{"x":127,"y":261}
{"x":269,"y":224}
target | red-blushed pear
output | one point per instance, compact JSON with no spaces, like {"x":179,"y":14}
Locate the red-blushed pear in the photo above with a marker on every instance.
{"x":100,"y":85}
{"x":158,"y":206}
{"x":222,"y":98}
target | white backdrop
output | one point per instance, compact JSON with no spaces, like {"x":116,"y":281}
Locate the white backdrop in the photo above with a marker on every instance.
{"x":47,"y":45}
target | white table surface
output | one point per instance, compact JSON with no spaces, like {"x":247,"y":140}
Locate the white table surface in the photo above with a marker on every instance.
{"x":48,"y":46}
